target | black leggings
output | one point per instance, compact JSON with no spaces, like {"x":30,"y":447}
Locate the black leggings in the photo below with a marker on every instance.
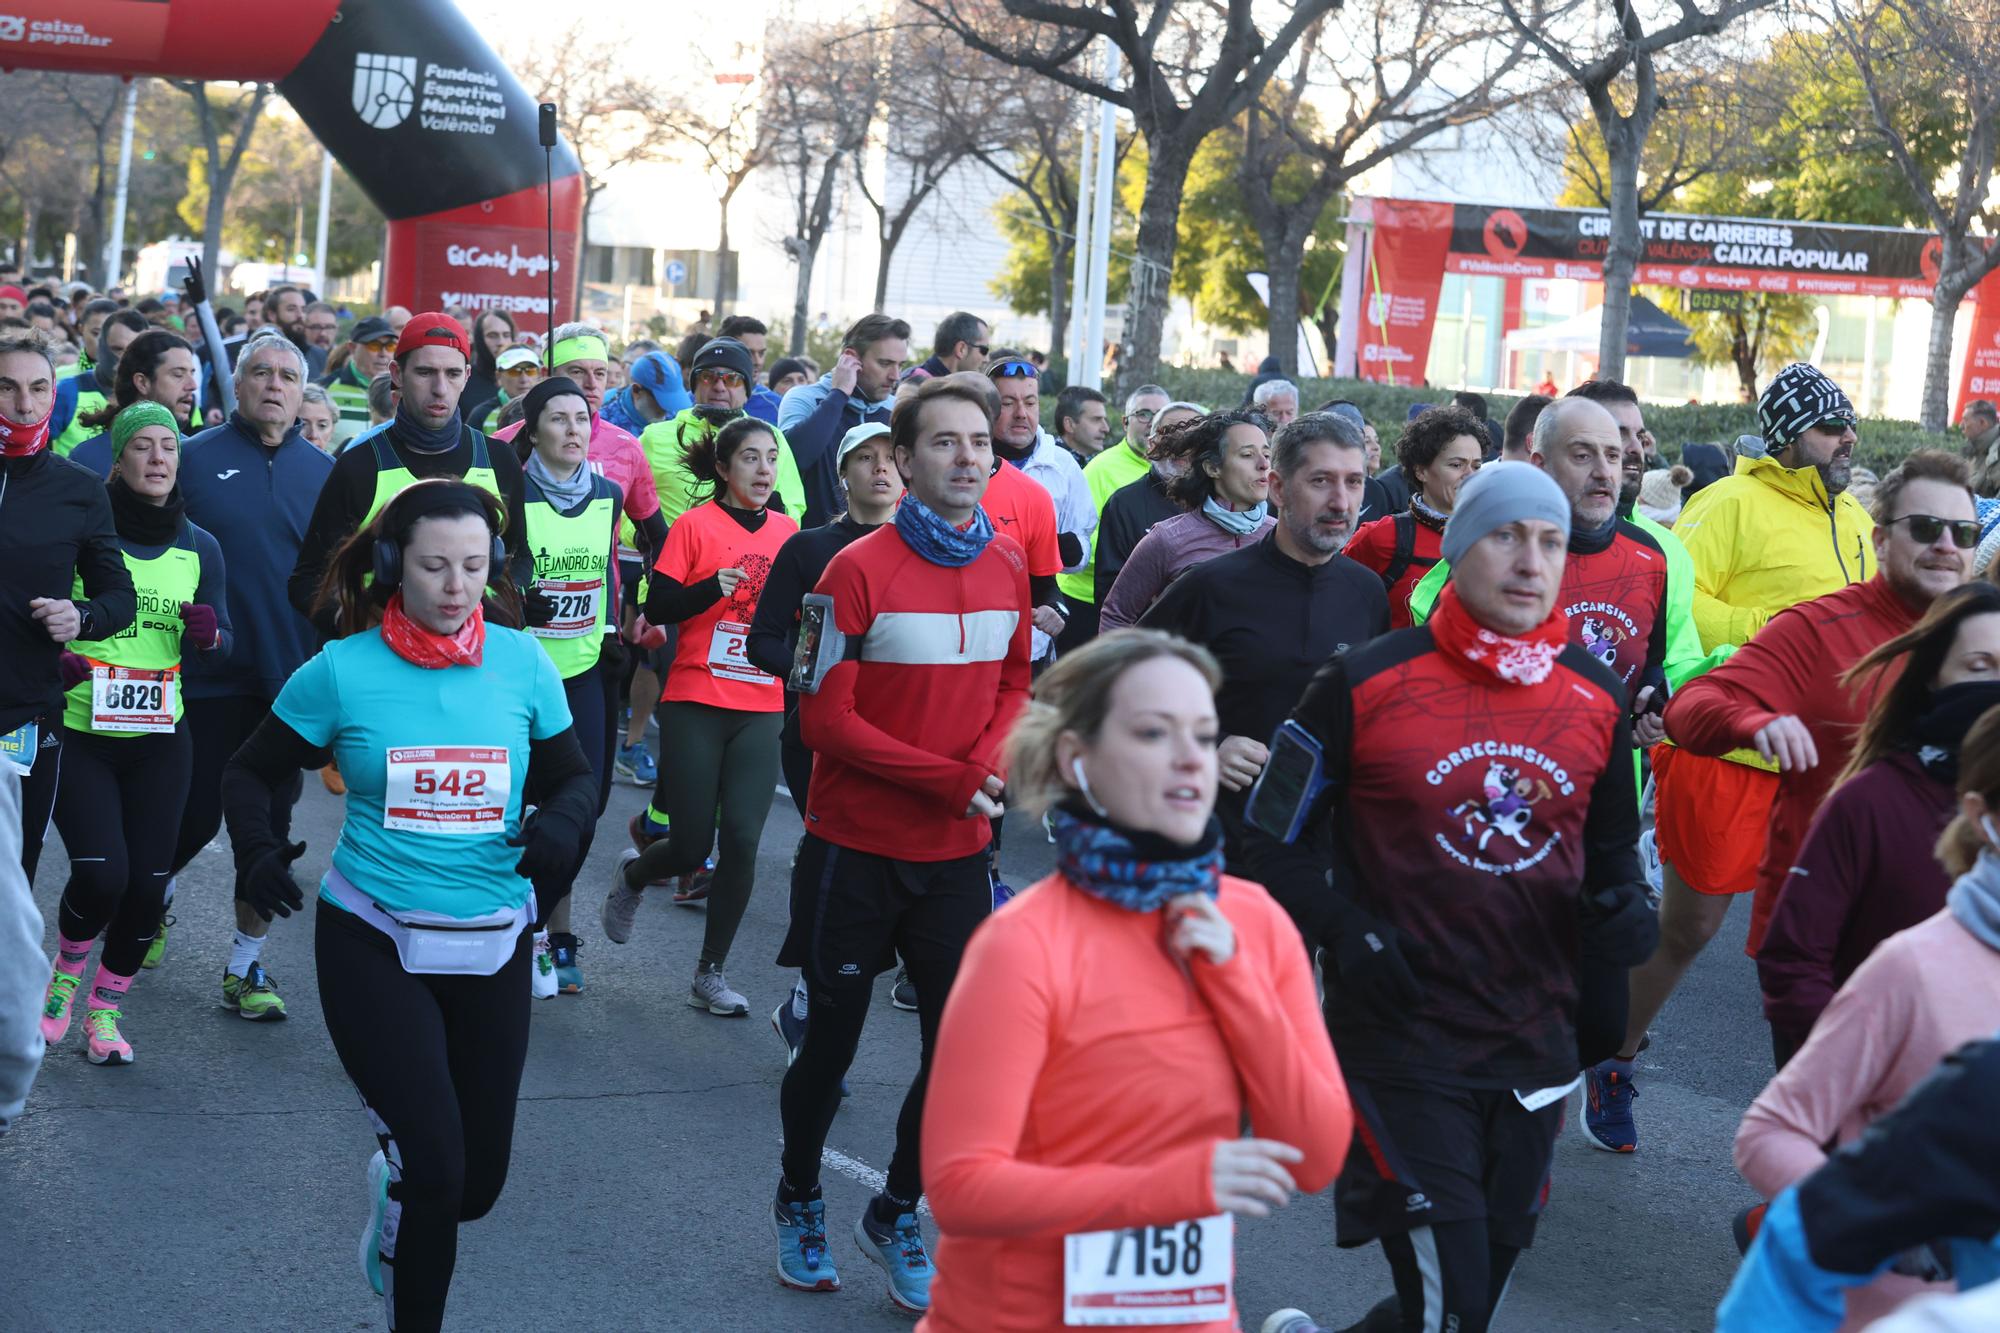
{"x":725,"y":760}
{"x":218,"y":727}
{"x":593,"y":712}
{"x":437,"y":1061}
{"x":1448,"y":1276}
{"x":119,"y":811}
{"x":38,"y":796}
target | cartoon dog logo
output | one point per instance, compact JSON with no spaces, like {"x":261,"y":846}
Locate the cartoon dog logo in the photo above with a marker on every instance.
{"x":1601,"y":640}
{"x":1506,"y":806}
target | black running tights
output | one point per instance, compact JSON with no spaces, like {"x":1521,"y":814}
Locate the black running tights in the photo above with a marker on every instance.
{"x":119,"y":813}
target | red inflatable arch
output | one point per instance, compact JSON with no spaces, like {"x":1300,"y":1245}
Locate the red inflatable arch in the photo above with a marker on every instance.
{"x":421,"y":112}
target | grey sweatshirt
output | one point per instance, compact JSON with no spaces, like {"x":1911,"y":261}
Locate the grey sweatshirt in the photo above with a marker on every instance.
{"x":24,"y":968}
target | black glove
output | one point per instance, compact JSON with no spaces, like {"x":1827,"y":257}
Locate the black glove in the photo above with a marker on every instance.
{"x":193,"y":288}
{"x":1372,"y":962}
{"x":267,"y":883}
{"x":611,"y":657}
{"x":548,"y":847}
{"x":537,"y":607}
{"x":1619,"y":926}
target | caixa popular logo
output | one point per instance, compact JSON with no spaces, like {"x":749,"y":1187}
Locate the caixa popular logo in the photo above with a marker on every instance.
{"x":13,"y":28}
{"x":385,"y":89}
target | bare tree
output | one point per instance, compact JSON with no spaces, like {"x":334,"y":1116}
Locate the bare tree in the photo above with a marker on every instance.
{"x":221,"y":166}
{"x":1042,"y":169}
{"x":1619,"y":76}
{"x":821,"y":94}
{"x":612,"y":117}
{"x":94,"y":102}
{"x":1401,"y":72}
{"x":1191,"y":68}
{"x":725,"y":128}
{"x":1922,"y":61}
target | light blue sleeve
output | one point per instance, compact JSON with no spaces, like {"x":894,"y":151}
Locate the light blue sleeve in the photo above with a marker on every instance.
{"x":548,"y":706}
{"x":310,"y":702}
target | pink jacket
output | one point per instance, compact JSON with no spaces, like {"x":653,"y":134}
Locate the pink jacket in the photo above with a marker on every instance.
{"x":1173,"y":546}
{"x":1922,"y":994}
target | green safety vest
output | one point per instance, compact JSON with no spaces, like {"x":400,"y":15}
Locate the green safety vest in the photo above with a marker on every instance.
{"x":573,"y":568}
{"x":392,"y":478}
{"x":152,"y":642}
{"x":350,"y":400}
{"x":87,"y":401}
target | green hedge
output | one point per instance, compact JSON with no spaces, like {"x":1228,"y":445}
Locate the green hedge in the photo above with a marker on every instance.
{"x":1883,"y":441}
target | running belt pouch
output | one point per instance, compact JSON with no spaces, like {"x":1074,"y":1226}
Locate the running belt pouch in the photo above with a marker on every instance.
{"x":1293,"y":778}
{"x":821,"y":645}
{"x":433,"y":944}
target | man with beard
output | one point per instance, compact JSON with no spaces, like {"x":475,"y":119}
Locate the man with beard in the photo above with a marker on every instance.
{"x":1275,"y":611}
{"x":814,"y":418}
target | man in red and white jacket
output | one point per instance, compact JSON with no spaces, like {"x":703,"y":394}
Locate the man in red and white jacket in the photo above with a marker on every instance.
{"x":907,"y":774}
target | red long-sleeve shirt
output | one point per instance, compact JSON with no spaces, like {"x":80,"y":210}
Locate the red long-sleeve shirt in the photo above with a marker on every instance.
{"x":1082,"y":1080}
{"x":1793,"y":666}
{"x":902,"y":738}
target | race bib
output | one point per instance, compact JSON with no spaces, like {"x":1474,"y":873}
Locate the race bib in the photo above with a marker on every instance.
{"x":576,"y":602}
{"x":447,"y":789}
{"x":727,"y":658}
{"x":1177,"y":1274}
{"x":17,"y":747}
{"x":131,"y":699}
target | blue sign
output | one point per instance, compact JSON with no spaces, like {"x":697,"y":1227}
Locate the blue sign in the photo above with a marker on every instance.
{"x":677,"y":273}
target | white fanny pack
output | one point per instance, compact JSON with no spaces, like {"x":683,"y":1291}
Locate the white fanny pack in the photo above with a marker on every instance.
{"x":430,"y":942}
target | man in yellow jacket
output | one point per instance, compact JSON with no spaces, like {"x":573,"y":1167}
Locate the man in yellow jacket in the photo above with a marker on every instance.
{"x":1782,"y":530}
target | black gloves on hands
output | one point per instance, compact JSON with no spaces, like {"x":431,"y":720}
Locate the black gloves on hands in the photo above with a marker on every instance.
{"x":267,"y":883}
{"x":548,"y":847}
{"x":1372,"y":962}
{"x":537,"y":607}
{"x":1619,"y":926}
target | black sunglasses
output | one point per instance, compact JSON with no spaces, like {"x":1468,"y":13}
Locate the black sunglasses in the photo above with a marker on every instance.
{"x":1926,"y":528}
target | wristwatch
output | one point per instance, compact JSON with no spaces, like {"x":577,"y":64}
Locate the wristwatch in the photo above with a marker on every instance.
{"x":83,"y":622}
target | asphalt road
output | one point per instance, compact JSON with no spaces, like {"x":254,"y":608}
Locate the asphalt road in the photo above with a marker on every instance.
{"x":218,"y":1181}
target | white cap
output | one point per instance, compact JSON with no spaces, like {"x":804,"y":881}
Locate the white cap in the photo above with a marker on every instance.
{"x":857,"y":437}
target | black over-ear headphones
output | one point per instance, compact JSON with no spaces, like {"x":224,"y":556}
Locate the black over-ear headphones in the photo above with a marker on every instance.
{"x":422,"y":500}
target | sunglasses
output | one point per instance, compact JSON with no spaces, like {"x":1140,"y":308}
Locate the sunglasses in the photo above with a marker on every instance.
{"x":1008,"y":370}
{"x":1837,"y":424}
{"x":1927,"y":528}
{"x":380,"y":345}
{"x":729,"y":379}
{"x":1143,"y":414}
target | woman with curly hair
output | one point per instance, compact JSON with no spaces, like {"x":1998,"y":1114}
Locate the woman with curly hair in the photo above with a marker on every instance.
{"x":1224,"y":466}
{"x":1438,"y":450}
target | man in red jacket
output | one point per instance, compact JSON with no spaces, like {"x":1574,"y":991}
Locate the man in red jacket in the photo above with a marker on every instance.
{"x":1781,"y":692}
{"x":906,"y":732}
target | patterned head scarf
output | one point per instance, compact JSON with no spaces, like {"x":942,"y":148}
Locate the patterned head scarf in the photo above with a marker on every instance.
{"x":1797,"y":399}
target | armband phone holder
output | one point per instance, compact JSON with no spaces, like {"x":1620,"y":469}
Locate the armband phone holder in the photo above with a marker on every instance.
{"x":821,"y":645}
{"x":1293,"y":778}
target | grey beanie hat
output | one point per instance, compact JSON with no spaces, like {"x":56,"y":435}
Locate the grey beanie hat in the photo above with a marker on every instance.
{"x":1499,"y":494}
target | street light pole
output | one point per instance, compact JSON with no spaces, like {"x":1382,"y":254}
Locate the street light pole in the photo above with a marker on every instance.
{"x":114,"y":249}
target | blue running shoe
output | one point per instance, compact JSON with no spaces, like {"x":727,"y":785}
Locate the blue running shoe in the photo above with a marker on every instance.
{"x":635,"y":764}
{"x":803,"y":1261}
{"x":569,"y":977}
{"x":790,"y":1027}
{"x":1607,"y":1122}
{"x":901,"y":1254}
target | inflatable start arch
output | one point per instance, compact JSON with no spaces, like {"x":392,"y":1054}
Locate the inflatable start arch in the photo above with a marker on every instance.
{"x":409,"y":98}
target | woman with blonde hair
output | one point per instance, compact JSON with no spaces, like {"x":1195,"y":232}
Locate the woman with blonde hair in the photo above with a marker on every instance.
{"x":1113,"y":1026}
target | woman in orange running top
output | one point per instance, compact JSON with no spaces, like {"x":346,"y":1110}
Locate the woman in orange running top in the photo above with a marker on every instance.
{"x":1111,"y":1028}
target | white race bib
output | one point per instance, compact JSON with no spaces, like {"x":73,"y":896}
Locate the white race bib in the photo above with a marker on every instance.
{"x":576,"y":602}
{"x":447,"y":789}
{"x":132,"y":699}
{"x":727,"y":657}
{"x":1177,"y":1274}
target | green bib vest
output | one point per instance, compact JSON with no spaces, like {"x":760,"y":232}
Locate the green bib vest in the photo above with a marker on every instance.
{"x":87,"y":401}
{"x":573,"y":569}
{"x":391,"y":477}
{"x":152,"y":642}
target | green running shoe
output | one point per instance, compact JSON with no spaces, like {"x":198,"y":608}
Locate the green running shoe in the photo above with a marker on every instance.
{"x":251,"y":995}
{"x":156,"y":952}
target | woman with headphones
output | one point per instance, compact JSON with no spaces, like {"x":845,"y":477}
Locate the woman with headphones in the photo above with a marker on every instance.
{"x":440,"y":720}
{"x":126,"y":752}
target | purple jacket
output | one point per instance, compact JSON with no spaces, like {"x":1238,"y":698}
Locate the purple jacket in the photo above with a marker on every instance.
{"x":1864,"y":872}
{"x":1169,"y":550}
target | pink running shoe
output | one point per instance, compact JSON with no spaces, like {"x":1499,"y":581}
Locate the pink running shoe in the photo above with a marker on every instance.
{"x":105,"y":1047}
{"x":58,"y":1005}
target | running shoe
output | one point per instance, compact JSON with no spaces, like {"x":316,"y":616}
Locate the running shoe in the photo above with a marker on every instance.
{"x":900,"y":1253}
{"x":252,"y":995}
{"x":542,"y":970}
{"x":378,"y":1211}
{"x":635,"y":764}
{"x":790,"y":1027}
{"x":156,"y":952}
{"x":569,"y":977}
{"x":711,"y":992}
{"x":644,"y":831}
{"x":58,"y":1005}
{"x":904,"y":993}
{"x":621,"y":905}
{"x":804,"y":1263}
{"x":692,"y":888}
{"x":1002,"y":892}
{"x":105,"y":1046}
{"x":1607,"y":1122}
{"x":1655,"y":869}
{"x":1291,"y":1321}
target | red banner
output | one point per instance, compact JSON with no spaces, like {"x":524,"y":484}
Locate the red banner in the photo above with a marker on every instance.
{"x":488,"y":256}
{"x":1408,"y":256}
{"x":116,"y":32}
{"x":1980,"y":377}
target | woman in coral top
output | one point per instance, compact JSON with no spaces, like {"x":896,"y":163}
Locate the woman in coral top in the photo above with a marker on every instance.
{"x":1111,"y":1028}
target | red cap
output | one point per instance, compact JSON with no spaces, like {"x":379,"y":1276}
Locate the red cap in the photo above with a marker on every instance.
{"x":434,"y":328}
{"x":15,"y":292}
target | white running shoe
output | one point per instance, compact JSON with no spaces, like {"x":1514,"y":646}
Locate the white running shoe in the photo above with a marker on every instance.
{"x":621,"y":905}
{"x":542,"y":969}
{"x":712,"y":993}
{"x":378,"y":1209}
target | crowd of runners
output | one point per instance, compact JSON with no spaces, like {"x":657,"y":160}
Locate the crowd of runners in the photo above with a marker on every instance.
{"x":1389,"y":803}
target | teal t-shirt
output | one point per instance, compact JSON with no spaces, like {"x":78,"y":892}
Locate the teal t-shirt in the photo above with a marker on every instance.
{"x":434,"y":762}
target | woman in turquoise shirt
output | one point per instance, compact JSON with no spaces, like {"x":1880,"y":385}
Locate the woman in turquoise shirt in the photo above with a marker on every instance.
{"x":439,"y":720}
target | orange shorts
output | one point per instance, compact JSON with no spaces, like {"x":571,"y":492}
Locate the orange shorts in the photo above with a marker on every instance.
{"x":1711,"y":818}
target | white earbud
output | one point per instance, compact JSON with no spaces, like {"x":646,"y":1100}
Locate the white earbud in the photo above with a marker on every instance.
{"x":1083,"y":784}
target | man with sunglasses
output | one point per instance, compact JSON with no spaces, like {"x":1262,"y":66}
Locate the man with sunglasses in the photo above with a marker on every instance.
{"x":719,"y":377}
{"x":963,"y":342}
{"x":371,"y":346}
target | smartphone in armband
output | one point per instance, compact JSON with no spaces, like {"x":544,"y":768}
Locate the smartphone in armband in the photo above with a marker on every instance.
{"x":1293,"y":778}
{"x":821,"y":645}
